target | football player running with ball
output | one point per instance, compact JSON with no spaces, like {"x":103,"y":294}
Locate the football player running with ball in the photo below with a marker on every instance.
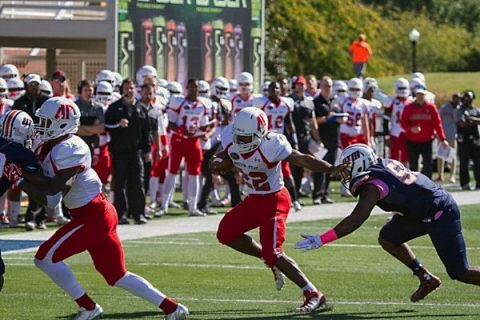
{"x":421,"y":206}
{"x":66,"y":164}
{"x":257,"y":153}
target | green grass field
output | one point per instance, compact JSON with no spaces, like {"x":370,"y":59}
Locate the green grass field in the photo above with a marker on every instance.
{"x":443,"y":84}
{"x":358,"y":278}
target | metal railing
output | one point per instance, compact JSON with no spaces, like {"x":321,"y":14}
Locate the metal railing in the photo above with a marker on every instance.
{"x":56,"y":10}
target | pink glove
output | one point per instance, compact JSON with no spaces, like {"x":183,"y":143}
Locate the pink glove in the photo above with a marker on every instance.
{"x":13,"y":173}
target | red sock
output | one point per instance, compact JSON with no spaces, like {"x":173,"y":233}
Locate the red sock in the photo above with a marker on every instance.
{"x":168,"y":305}
{"x":85,"y":302}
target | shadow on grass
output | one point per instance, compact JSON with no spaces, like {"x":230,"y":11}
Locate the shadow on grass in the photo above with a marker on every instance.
{"x":125,"y":315}
{"x":254,"y":314}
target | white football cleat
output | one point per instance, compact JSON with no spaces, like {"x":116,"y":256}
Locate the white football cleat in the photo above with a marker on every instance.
{"x":61,"y":220}
{"x":181,"y":313}
{"x":297,"y":206}
{"x":196,"y":213}
{"x":279,"y":278}
{"x":84,"y":314}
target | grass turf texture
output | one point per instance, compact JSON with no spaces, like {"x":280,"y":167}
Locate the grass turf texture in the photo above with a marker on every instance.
{"x":358,"y":278}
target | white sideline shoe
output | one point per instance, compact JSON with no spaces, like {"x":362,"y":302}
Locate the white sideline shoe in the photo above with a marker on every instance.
{"x":181,"y":313}
{"x":84,"y":314}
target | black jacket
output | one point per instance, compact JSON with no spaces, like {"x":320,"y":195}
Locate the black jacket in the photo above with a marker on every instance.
{"x":25,"y":104}
{"x":134,"y":137}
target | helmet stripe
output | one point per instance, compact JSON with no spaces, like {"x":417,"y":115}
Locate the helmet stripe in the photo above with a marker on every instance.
{"x":10,"y":134}
{"x":7,"y":123}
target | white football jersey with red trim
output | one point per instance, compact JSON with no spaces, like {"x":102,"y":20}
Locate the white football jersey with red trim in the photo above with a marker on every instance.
{"x":396,"y":105}
{"x":189,"y":114}
{"x":238,"y":103}
{"x":5,"y":105}
{"x":356,"y":110}
{"x":70,"y":153}
{"x":261,"y":168}
{"x":276,"y":113}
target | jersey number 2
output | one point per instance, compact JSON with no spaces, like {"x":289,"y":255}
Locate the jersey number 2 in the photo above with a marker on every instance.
{"x":259,"y":181}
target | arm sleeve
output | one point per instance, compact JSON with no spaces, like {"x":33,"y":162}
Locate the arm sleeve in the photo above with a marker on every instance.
{"x":404,"y":119}
{"x":277,"y":148}
{"x":227,"y":136}
{"x":70,"y":157}
{"x":437,"y":122}
{"x":112,"y":118}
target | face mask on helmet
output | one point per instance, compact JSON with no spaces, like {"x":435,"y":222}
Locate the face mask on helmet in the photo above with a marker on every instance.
{"x":249,"y":128}
{"x":103,"y":97}
{"x":360,"y":157}
{"x":245,"y":82}
{"x":15,"y":93}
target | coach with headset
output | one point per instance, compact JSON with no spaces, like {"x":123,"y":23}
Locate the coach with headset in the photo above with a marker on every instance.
{"x":468,"y":138}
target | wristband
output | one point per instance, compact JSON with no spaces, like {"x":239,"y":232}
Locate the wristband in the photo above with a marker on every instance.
{"x":328,"y":236}
{"x":19,"y":181}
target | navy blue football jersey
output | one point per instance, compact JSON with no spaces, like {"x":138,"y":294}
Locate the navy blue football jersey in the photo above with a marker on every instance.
{"x":401,"y":190}
{"x":11,"y":152}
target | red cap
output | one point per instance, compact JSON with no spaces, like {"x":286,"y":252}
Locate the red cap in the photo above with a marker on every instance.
{"x":300,"y":80}
{"x":60,"y":75}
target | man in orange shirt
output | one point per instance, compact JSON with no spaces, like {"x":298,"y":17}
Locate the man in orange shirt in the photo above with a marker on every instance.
{"x":360,"y":52}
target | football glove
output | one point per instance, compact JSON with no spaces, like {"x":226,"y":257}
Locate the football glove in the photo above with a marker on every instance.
{"x":12,"y":172}
{"x":309,"y":242}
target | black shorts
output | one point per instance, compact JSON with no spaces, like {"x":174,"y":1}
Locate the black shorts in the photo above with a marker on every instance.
{"x":445,"y":233}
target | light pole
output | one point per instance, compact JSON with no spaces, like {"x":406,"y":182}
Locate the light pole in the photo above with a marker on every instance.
{"x":414,"y":35}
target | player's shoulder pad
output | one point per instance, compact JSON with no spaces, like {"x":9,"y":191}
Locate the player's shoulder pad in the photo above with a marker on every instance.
{"x":275,"y":147}
{"x":227,"y":136}
{"x":289,"y":102}
{"x":205,"y":101}
{"x":259,"y":102}
{"x":175,"y":101}
{"x":70,"y":153}
{"x":227,"y":104}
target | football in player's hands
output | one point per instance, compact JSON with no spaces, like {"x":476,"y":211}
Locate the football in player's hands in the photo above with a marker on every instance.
{"x":220,"y":163}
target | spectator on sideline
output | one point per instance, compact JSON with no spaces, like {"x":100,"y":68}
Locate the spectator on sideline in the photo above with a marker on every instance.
{"x":329,"y":132}
{"x":303,"y":117}
{"x":129,"y":130}
{"x":91,"y":117}
{"x":447,"y":114}
{"x":468,"y":137}
{"x":33,"y":98}
{"x":312,"y":89}
{"x":60,"y":87}
{"x":360,"y":52}
{"x":421,"y":121}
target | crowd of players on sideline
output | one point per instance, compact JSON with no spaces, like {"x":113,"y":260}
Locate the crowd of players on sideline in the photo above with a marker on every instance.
{"x":149,"y":134}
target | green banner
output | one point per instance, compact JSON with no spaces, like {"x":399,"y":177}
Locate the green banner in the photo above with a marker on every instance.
{"x":190,"y":38}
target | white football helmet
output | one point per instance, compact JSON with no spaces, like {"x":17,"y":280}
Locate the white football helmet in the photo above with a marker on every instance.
{"x":340,"y":89}
{"x":57,"y":116}
{"x":250,"y":122}
{"x":145,"y":71}
{"x":3,"y":88}
{"x":17,"y":126}
{"x":220,"y":87}
{"x":355,"y":88}
{"x":245,"y":82}
{"x":416,"y":83}
{"x":162,"y":83}
{"x":265,"y":86}
{"x":104,"y":93}
{"x":402,"y":88}
{"x":8,"y":71}
{"x":174,"y":87}
{"x":370,"y":83}
{"x":105,"y":75}
{"x":361,"y":158}
{"x":118,"y":79}
{"x":16,"y":88}
{"x":233,"y":85}
{"x":418,"y":75}
{"x":46,"y":88}
{"x":203,"y":89}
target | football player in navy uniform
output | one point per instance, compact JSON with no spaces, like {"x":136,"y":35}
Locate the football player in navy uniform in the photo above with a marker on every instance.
{"x":16,"y":131}
{"x":421,"y":207}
